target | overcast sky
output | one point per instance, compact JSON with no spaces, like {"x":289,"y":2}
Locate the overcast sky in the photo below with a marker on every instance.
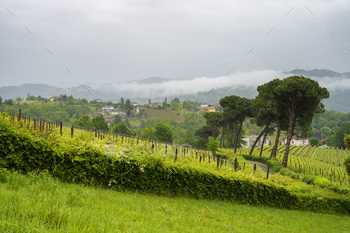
{"x":118,"y":41}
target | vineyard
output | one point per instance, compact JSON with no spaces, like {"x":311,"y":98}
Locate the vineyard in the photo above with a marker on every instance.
{"x":129,"y":163}
{"x":323,"y":162}
{"x":126,"y":146}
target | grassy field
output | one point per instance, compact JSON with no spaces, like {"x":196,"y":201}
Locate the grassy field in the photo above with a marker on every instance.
{"x":39,"y":203}
{"x":159,"y":113}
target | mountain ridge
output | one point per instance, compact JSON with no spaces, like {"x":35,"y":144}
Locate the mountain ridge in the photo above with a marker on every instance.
{"x":338,"y":100}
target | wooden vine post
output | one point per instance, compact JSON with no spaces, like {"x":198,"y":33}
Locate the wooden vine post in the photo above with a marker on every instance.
{"x":61,"y":128}
{"x":268,"y":171}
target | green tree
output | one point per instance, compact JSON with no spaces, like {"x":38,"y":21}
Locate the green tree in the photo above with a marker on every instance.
{"x":8,"y":102}
{"x":18,"y":99}
{"x":188,"y":139}
{"x":299,"y":98}
{"x":84,"y":101}
{"x":122,"y":104}
{"x":148,"y":133}
{"x":31,"y":97}
{"x":165,"y":104}
{"x":347,"y":161}
{"x":85,"y":122}
{"x":214,"y":121}
{"x":99,"y":123}
{"x":128,"y":105}
{"x":263,"y":117}
{"x":58,"y":116}
{"x":326,"y":132}
{"x":70,"y":100}
{"x":337,"y":139}
{"x":117,"y":119}
{"x":175,"y":105}
{"x":0,"y":101}
{"x":237,"y":109}
{"x":213,"y":145}
{"x":163,"y":133}
{"x":203,"y":135}
{"x":315,"y":141}
{"x":121,"y":128}
{"x":128,"y":123}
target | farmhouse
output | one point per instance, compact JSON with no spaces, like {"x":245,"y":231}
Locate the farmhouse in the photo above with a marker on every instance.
{"x":208,"y":109}
{"x":155,"y":104}
{"x":298,"y":141}
{"x":106,"y":108}
{"x":249,"y":141}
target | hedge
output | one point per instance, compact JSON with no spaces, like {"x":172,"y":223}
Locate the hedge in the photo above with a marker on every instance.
{"x":22,"y":151}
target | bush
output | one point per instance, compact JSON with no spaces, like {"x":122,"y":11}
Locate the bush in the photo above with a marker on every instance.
{"x":309,"y":179}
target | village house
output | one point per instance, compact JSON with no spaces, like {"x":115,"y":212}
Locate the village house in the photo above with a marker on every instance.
{"x":107,"y":108}
{"x":249,"y":141}
{"x":97,"y":100}
{"x":298,"y":141}
{"x":54,"y":98}
{"x":208,"y":109}
{"x":155,"y":105}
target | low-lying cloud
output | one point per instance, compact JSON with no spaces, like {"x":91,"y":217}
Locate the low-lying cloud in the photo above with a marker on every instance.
{"x":200,"y":84}
{"x":238,"y":80}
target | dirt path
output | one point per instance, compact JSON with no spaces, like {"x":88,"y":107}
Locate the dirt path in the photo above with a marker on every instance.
{"x":260,"y":166}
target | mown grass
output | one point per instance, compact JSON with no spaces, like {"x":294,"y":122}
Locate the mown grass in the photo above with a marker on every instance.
{"x":39,"y":203}
{"x":159,"y":113}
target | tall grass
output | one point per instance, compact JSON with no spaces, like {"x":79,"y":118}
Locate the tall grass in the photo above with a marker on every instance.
{"x":40,"y":203}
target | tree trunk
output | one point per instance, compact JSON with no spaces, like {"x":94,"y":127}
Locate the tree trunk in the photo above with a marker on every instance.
{"x":223,"y":138}
{"x":221,"y":141}
{"x":256,"y":141}
{"x":289,"y":138}
{"x":262,"y":144}
{"x":274,"y":149}
{"x":234,"y":137}
{"x":237,"y":136}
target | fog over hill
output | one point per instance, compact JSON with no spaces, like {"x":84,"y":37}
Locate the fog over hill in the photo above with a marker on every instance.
{"x":203,"y":89}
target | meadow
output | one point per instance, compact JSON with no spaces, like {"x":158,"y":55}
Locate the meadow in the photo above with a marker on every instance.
{"x":40,"y":203}
{"x":91,"y":181}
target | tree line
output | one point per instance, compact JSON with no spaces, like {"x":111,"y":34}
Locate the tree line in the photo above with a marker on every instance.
{"x":288,"y":104}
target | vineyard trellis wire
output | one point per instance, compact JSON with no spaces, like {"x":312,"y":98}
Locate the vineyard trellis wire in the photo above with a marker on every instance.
{"x":124,"y":141}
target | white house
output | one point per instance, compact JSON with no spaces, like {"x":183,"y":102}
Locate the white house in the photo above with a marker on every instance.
{"x":106,"y":108}
{"x":298,"y":141}
{"x":249,"y":141}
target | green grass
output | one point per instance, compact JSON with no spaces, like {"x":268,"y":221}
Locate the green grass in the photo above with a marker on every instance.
{"x":159,"y":113}
{"x":39,"y":203}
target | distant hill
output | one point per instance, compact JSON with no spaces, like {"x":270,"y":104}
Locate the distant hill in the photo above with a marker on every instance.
{"x":320,"y":73}
{"x":11,"y":92}
{"x":338,"y":101}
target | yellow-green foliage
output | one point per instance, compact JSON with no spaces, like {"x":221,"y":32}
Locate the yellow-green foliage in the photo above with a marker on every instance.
{"x":124,"y":163}
{"x":39,"y":203}
{"x":347,"y":141}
